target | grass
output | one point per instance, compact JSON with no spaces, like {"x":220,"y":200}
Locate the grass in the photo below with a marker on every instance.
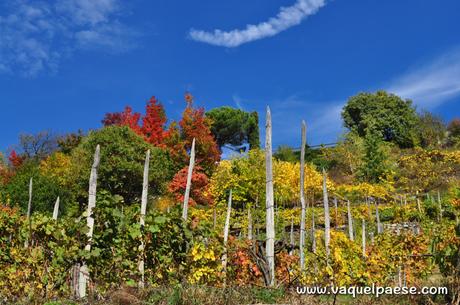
{"x":204,"y":295}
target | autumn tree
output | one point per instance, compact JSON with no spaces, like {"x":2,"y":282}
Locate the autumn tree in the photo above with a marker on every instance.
{"x":195,"y":125}
{"x":125,"y":118}
{"x":69,"y":141}
{"x":153,"y":122}
{"x":431,"y":130}
{"x":15,"y":159}
{"x":200,"y":182}
{"x":346,"y":157}
{"x":427,"y":170}
{"x":454,"y":132}
{"x":4,"y":170}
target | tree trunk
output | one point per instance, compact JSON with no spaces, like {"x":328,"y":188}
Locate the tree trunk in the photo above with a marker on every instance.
{"x":84,"y":272}
{"x":145,"y":193}
{"x":350,"y":222}
{"x":302,"y":195}
{"x":226,"y":228}
{"x":327,"y":219}
{"x":56,"y":209}
{"x":189,"y":180}
{"x":29,"y":213}
{"x":270,"y":217}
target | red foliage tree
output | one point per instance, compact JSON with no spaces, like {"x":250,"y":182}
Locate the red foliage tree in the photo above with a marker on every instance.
{"x":194,"y":124}
{"x":125,"y":118}
{"x":200,"y":181}
{"x":153,"y":122}
{"x":15,"y":159}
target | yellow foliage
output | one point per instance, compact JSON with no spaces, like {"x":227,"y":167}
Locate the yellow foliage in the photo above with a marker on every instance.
{"x":57,"y":166}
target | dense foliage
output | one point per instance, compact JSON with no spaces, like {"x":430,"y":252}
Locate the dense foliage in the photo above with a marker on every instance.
{"x":400,"y":182}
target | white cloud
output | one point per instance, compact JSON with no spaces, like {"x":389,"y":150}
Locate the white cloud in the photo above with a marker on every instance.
{"x":35,"y":35}
{"x":432,"y":83}
{"x":286,"y":18}
{"x":85,"y":12}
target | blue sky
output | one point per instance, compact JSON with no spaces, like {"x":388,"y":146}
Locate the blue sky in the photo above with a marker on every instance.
{"x":64,"y":63}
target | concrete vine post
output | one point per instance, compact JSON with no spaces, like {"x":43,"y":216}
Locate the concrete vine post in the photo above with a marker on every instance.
{"x":350,"y":222}
{"x":145,"y":192}
{"x":189,"y":180}
{"x":269,"y":201}
{"x":327,"y":219}
{"x":83,"y":274}
{"x":226,"y":229}
{"x":302,"y":195}
{"x":56,"y":209}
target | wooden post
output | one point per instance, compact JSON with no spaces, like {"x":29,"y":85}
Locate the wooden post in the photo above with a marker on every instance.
{"x":327,"y":220}
{"x":350,"y":222}
{"x":363,"y":236}
{"x":56,"y":209}
{"x":418,"y":203}
{"x":29,"y":213}
{"x":313,"y":236}
{"x":249,"y":223}
{"x":214,"y":216}
{"x":377,"y":216}
{"x":291,"y":239}
{"x":270,"y":217}
{"x":189,"y":180}
{"x":226,"y":228}
{"x":336,"y":213}
{"x":440,"y":206}
{"x":302,"y":195}
{"x":145,"y":192}
{"x":83,"y":274}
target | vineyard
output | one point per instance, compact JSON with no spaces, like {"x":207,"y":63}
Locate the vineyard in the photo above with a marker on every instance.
{"x":141,"y":212}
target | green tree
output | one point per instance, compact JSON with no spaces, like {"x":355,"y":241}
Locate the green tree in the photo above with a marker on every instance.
{"x":375,"y":166}
{"x":45,"y":190}
{"x":286,"y":153}
{"x":391,"y":117}
{"x":234,"y":127}
{"x":431,"y":129}
{"x":121,"y":168}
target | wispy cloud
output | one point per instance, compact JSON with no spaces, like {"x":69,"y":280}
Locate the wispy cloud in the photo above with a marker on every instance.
{"x":238,"y":101}
{"x":35,"y":35}
{"x":286,"y":18}
{"x":432,"y":83}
